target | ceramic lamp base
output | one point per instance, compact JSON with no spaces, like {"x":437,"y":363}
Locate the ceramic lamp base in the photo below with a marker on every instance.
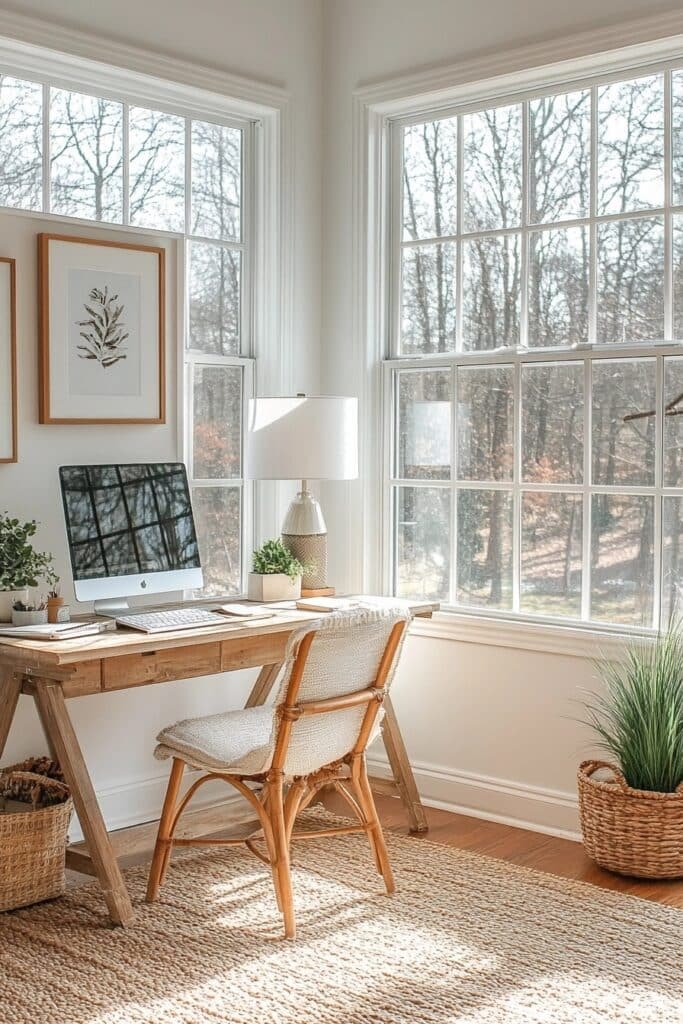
{"x":311,"y":550}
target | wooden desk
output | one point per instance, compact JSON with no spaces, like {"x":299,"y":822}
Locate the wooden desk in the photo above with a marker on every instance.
{"x":52,"y":673}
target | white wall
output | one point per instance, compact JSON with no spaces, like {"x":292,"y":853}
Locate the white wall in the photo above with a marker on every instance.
{"x":263,"y":40}
{"x":487,"y":727}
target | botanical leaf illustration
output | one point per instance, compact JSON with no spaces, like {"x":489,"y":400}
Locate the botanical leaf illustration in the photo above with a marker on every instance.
{"x":104,"y":333}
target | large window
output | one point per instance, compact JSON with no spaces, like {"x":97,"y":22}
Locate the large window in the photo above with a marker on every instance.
{"x":118,"y":162}
{"x":534,"y":383}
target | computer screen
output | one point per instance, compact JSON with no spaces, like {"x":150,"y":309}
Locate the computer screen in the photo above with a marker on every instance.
{"x":129,"y":521}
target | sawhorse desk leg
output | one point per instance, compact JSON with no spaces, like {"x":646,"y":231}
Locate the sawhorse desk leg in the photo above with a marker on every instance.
{"x":404,"y":779}
{"x":62,"y":740}
{"x":10,"y":688}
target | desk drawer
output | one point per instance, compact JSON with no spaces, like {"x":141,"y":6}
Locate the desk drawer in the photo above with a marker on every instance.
{"x":160,"y":666}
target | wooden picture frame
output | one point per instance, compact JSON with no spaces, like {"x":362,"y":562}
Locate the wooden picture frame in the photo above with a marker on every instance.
{"x":9,"y":445}
{"x":86,"y":376}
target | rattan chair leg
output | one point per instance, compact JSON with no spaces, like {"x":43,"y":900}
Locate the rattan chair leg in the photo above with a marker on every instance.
{"x":164,"y":844}
{"x":265,"y":800}
{"x":295,"y":796}
{"x":283,"y":887}
{"x":359,"y":775}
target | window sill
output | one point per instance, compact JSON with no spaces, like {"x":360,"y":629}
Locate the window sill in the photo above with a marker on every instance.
{"x":544,"y":637}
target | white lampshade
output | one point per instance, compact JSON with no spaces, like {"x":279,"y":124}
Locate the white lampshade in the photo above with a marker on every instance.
{"x":302,"y":438}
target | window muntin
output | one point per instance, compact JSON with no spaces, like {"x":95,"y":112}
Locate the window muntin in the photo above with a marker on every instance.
{"x":551,"y":310}
{"x":114,"y":161}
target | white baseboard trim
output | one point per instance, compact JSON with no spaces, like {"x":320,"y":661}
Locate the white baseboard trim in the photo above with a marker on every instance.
{"x":551,"y":812}
{"x":135,"y":803}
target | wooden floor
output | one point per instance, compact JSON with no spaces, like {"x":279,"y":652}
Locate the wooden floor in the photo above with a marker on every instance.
{"x":518,"y":846}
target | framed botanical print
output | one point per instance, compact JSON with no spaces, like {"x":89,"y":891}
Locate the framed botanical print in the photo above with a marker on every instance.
{"x":102,"y":338}
{"x":8,"y":360}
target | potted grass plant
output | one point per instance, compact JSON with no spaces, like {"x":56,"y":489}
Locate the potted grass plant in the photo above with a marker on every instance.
{"x":632,"y":821}
{"x":276,"y":574}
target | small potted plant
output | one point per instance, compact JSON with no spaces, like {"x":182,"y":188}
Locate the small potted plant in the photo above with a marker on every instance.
{"x":29,"y":613}
{"x":276,"y":574}
{"x":21,"y":566}
{"x":632,"y":821}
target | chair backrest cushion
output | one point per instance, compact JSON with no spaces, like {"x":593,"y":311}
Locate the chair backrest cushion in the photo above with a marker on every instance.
{"x":344,"y":657}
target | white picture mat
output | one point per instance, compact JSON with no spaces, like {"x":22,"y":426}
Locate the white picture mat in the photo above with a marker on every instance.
{"x":6,"y":403}
{"x":65,"y":257}
{"x":87,"y":377}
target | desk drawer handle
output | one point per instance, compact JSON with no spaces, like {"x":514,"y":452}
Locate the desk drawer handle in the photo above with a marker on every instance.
{"x":149,"y":654}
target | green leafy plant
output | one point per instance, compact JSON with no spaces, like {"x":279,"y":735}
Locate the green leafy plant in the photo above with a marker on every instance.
{"x":20,"y":564}
{"x":639,"y":718}
{"x":273,"y":557}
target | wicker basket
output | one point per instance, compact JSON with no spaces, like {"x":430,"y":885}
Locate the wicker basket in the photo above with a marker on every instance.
{"x":633,"y":832}
{"x":33,"y":844}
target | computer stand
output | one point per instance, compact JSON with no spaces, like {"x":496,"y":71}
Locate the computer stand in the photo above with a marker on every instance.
{"x":111,"y":607}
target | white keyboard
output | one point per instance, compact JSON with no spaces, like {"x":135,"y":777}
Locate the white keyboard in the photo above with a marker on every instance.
{"x":175,"y":618}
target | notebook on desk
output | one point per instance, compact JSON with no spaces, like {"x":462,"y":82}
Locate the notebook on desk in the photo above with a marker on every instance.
{"x":57,"y":630}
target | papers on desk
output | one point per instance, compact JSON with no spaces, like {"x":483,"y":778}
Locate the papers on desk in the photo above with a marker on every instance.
{"x":57,"y":630}
{"x":325,"y":604}
{"x":244,"y":612}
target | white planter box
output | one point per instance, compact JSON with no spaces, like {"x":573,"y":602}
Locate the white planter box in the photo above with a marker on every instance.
{"x":273,"y":587}
{"x":7,"y":599}
{"x":30,"y":618}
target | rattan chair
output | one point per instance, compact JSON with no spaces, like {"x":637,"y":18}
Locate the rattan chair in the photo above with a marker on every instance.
{"x":278,"y":756}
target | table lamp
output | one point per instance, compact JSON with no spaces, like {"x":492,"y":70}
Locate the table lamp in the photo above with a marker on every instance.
{"x":304,"y":438}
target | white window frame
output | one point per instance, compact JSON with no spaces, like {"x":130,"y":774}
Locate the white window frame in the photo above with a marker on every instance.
{"x":143,"y":78}
{"x":530,"y":72}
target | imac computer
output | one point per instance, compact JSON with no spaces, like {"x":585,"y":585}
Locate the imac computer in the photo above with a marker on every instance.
{"x":131,"y":532}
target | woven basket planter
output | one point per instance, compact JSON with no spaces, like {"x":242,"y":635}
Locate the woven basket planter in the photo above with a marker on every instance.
{"x":32,"y":843}
{"x":632,"y":832}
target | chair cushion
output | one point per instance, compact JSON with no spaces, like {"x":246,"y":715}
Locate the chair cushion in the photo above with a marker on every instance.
{"x":235,"y":741}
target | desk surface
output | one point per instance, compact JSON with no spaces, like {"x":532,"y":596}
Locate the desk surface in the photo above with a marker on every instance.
{"x":41,"y":654}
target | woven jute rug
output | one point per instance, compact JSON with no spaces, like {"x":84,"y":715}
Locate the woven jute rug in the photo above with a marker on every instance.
{"x":466,"y":938}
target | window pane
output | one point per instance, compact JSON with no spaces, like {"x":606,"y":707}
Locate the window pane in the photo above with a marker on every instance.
{"x":423,"y":542}
{"x":484,"y":555}
{"x":491,"y":286}
{"x":428,"y":299}
{"x":558,"y":287}
{"x":217,"y":513}
{"x":677,"y":131}
{"x":157,"y":169}
{"x":672,"y":559}
{"x":673,"y":422}
{"x":424,"y":424}
{"x":631,"y":280}
{"x":631,"y":145}
{"x":552,"y":423}
{"x":551,"y":554}
{"x":216,"y":180}
{"x":217,"y":422}
{"x":559,"y":145}
{"x":86,"y":156}
{"x":622,"y":559}
{"x":214,"y":299}
{"x":484,"y":424}
{"x":677,"y":233}
{"x":21,"y":143}
{"x":623,"y":439}
{"x":492,"y":173}
{"x":429,"y":179}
